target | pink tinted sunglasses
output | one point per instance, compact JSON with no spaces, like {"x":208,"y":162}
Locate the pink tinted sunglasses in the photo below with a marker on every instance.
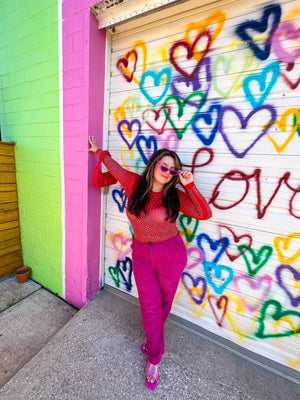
{"x":163,"y":168}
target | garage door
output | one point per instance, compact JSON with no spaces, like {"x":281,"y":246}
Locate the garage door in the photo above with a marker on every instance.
{"x":219,"y":84}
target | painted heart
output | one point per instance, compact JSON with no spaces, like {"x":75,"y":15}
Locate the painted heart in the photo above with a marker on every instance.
{"x":289,"y":244}
{"x":218,"y":276}
{"x":191,"y":284}
{"x":291,"y":76}
{"x":127,"y":65}
{"x":180,"y":86}
{"x":156,"y":119}
{"x":264,"y":83}
{"x":114,"y":273}
{"x":127,"y":157}
{"x":288,"y":270}
{"x":253,"y":292}
{"x":129,"y":130}
{"x":150,"y":147}
{"x":157,"y":79}
{"x":217,"y":305}
{"x":259,"y":258}
{"x":231,"y":67}
{"x":122,"y":245}
{"x":268,"y":25}
{"x":271,"y":312}
{"x":181,"y":105}
{"x":283,"y":127}
{"x":125,"y":270}
{"x":218,"y":246}
{"x":264,"y":121}
{"x":285,"y":33}
{"x":189,"y":226}
{"x":247,"y":239}
{"x":127,"y":110}
{"x":190,"y":53}
{"x":195,"y":254}
{"x":169,"y":141}
{"x":211,"y":124}
{"x":214,"y":23}
{"x":120,"y":198}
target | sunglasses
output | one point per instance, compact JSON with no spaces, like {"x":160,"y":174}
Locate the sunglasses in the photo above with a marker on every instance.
{"x":163,"y":168}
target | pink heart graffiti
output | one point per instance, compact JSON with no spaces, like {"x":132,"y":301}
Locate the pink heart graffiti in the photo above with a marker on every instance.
{"x":259,"y":289}
{"x":197,"y":255}
{"x":122,"y":245}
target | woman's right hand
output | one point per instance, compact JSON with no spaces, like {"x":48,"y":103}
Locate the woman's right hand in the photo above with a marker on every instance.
{"x":93,"y":144}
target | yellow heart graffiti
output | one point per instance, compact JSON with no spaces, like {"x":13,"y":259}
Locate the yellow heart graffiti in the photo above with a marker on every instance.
{"x":125,"y":151}
{"x":282,"y":125}
{"x":282,"y":244}
{"x":206,"y":25}
{"x":240,"y":311}
{"x":127,"y":110}
{"x":140,"y":44}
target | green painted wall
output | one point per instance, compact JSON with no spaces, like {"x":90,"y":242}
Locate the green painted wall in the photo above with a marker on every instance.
{"x":29,"y":116}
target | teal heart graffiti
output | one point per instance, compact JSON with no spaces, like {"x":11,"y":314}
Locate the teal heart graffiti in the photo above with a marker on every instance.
{"x":157,"y":78}
{"x":222,"y":273}
{"x":265,"y":87}
{"x":181,"y":105}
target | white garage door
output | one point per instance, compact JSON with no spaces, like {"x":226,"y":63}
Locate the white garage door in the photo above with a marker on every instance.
{"x":219,"y":84}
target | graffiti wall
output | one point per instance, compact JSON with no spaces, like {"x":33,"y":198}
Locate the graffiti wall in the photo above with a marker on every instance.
{"x":221,"y":88}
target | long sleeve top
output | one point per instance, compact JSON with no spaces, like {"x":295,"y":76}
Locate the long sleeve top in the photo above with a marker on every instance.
{"x":152,"y":225}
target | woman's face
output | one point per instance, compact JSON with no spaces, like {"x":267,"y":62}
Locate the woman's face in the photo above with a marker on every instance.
{"x":161,"y":178}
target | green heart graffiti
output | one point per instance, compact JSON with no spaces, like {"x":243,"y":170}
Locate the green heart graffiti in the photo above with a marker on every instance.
{"x":181,"y":105}
{"x":259,"y":258}
{"x":189,"y":236}
{"x":114,"y":273}
{"x":276,"y":313}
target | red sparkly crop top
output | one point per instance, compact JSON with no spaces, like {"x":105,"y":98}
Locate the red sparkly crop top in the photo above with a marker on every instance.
{"x":152,"y":226}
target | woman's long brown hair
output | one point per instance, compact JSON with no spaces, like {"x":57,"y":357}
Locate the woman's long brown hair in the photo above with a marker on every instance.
{"x":140,"y":194}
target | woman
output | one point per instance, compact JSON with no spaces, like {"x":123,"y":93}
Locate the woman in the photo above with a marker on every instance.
{"x":159,"y":255}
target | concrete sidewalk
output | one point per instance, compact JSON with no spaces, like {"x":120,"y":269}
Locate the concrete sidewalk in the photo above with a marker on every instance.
{"x":96,"y":355}
{"x":29,"y":317}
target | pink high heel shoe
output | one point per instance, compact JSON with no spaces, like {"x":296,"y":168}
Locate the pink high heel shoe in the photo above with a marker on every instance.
{"x":153,"y":372}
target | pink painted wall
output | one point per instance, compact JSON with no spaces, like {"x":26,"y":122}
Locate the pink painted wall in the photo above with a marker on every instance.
{"x":83,"y":97}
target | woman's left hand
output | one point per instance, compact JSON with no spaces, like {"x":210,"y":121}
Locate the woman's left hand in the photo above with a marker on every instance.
{"x":186,"y":177}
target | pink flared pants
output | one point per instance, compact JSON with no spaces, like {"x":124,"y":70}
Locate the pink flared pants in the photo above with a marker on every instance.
{"x":157,"y":268}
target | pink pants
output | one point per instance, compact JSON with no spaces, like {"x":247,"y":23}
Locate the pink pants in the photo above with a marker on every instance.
{"x":157,"y":269}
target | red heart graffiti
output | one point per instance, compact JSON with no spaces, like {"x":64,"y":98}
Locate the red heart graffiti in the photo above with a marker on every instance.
{"x":221,"y":303}
{"x":237,"y":239}
{"x":158,"y":120}
{"x":191,"y":53}
{"x":292,"y":84}
{"x":122,"y":65}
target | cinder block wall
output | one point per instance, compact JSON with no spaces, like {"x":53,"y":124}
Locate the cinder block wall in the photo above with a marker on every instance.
{"x":30,"y":117}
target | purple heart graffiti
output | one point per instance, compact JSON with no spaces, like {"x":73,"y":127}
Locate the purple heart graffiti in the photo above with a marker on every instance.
{"x":124,"y":126}
{"x":202,"y":81}
{"x":244,"y":124}
{"x":191,"y":285}
{"x":295,"y":301}
{"x":125,"y":270}
{"x":116,"y":194}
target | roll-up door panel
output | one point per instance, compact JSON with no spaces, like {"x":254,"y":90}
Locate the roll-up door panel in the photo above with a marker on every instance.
{"x":219,"y":84}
